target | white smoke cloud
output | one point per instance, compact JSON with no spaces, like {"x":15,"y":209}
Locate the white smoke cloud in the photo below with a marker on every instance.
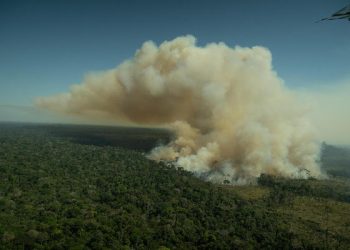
{"x":232,"y":115}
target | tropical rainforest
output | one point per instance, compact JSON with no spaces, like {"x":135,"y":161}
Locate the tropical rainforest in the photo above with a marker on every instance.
{"x":88,"y":187}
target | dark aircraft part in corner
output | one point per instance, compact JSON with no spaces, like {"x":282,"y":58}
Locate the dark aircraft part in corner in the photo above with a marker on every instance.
{"x":340,"y":14}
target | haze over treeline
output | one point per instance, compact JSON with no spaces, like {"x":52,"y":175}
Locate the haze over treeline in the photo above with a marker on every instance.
{"x":232,"y":115}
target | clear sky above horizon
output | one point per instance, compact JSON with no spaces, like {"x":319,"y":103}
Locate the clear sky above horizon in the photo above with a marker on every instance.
{"x":46,"y":46}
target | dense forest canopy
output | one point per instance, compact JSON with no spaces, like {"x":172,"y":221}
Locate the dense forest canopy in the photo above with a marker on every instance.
{"x":57,"y":193}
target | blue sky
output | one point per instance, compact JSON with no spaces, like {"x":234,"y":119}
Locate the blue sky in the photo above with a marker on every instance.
{"x":45,"y":46}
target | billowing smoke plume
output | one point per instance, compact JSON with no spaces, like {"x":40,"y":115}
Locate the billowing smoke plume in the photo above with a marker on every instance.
{"x":232,"y":116}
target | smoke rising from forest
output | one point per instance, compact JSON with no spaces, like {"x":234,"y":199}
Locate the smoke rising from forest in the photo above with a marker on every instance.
{"x":232,"y":115}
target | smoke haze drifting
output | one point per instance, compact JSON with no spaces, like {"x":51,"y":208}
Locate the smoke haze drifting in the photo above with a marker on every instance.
{"x":232,"y":115}
{"x":329,"y":110}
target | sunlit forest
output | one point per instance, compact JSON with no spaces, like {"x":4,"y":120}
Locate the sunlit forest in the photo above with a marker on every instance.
{"x":58,"y":191}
